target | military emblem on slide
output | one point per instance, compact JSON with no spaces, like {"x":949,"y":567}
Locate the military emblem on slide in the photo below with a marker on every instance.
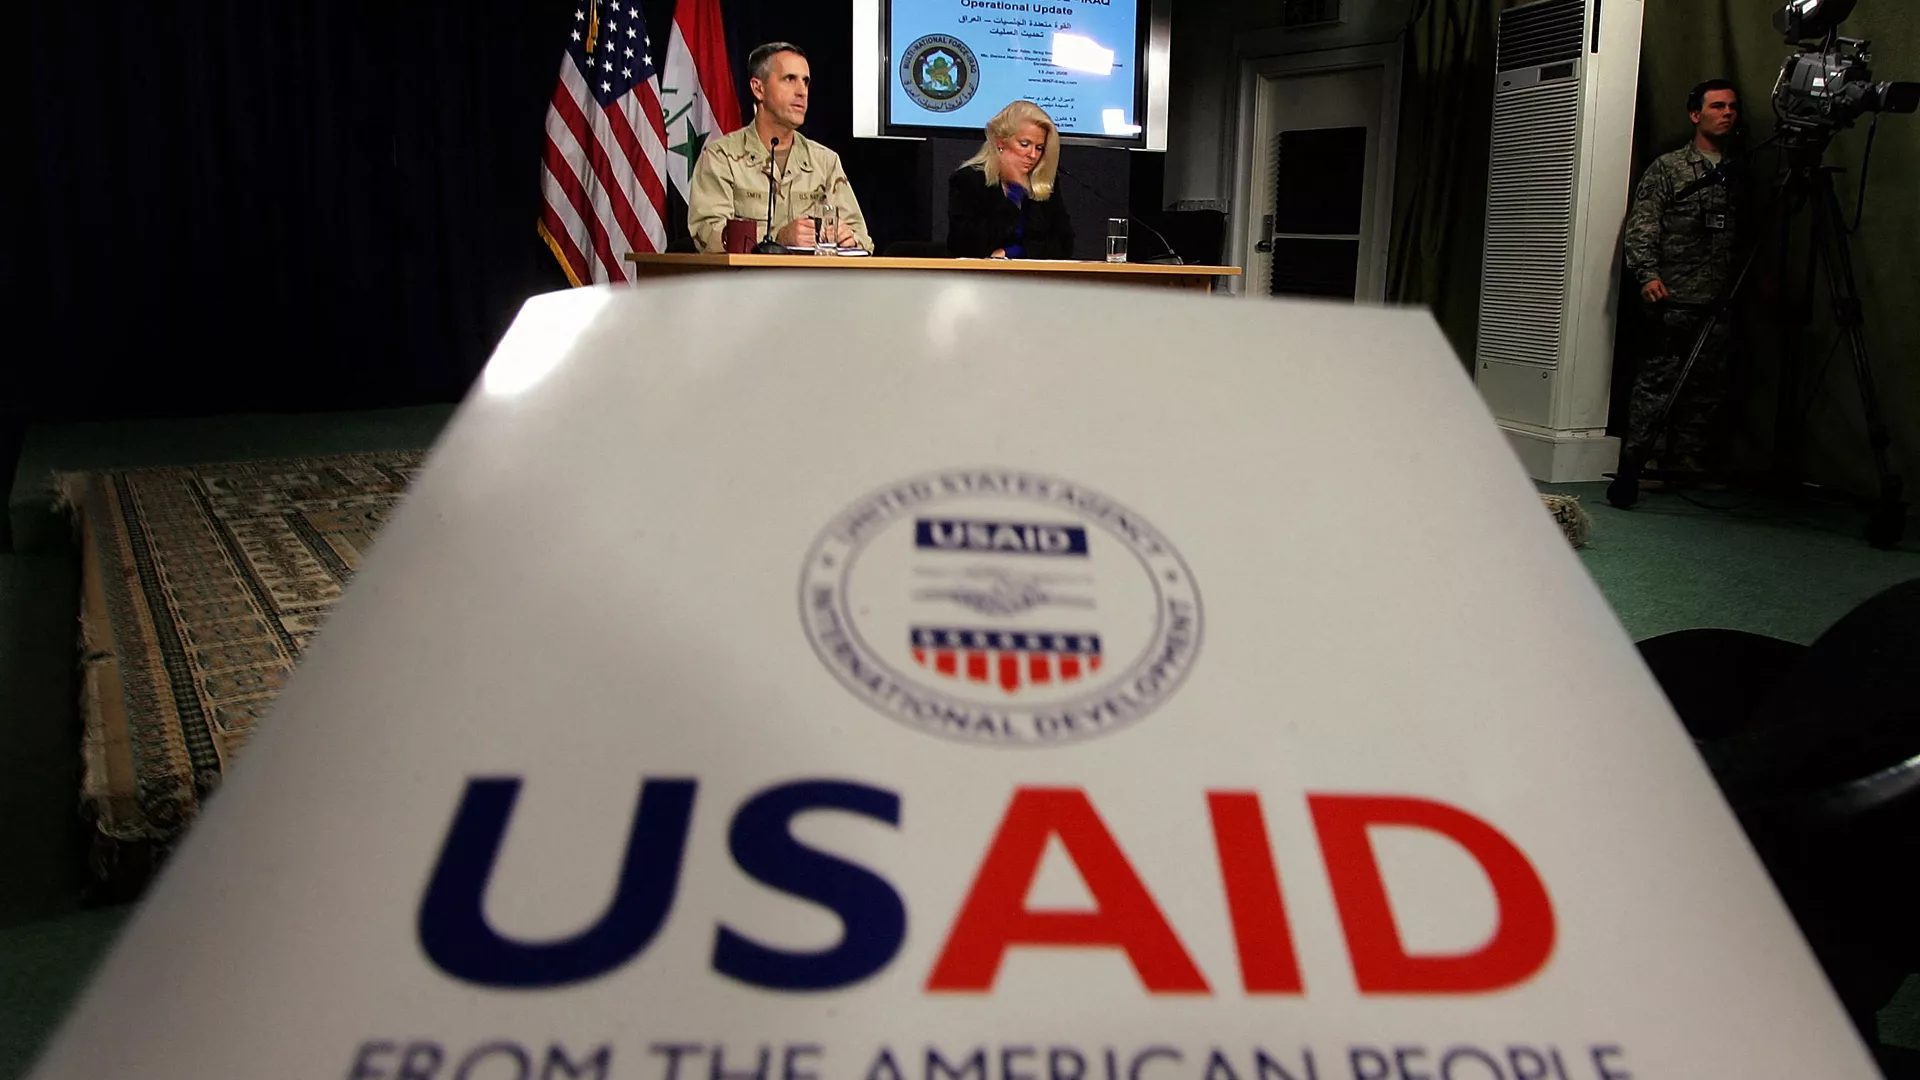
{"x":939,"y":72}
{"x":999,"y":606}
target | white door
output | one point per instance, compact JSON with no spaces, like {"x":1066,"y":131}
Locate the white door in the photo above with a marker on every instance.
{"x":1317,"y":220}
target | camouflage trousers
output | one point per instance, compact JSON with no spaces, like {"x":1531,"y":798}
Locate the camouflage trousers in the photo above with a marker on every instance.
{"x":1674,"y":328}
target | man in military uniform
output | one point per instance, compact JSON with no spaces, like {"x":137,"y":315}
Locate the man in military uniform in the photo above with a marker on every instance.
{"x":731,"y":178}
{"x":1680,"y":250}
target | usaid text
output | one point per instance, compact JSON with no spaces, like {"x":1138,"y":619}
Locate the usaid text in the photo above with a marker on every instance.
{"x":994,"y":918}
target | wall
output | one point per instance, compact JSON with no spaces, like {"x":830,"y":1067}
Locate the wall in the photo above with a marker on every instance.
{"x":1210,"y":39}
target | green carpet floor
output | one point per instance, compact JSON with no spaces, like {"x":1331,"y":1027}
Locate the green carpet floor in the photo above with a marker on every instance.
{"x":1785,"y":569}
{"x":43,"y":965}
{"x":1773,"y":568}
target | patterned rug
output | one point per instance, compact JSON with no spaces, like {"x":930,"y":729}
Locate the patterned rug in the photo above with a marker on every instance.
{"x":201,"y":586}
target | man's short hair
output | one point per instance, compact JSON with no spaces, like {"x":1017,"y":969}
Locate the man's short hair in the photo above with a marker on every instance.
{"x":760,"y":60}
{"x":1697,"y":97}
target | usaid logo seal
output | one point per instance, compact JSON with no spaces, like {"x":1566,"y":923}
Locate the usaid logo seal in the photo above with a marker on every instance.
{"x":939,"y":72}
{"x":997,"y":606}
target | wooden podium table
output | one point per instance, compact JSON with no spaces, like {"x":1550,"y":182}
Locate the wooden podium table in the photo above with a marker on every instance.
{"x":648,"y":266}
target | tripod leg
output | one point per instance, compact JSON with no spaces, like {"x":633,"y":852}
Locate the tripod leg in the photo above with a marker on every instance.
{"x":1624,"y":492}
{"x":1693,"y":357}
{"x":1887,"y":521}
{"x":1656,"y":388}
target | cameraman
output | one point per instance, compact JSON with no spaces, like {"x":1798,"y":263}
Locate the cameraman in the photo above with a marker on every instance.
{"x":1681,"y":253}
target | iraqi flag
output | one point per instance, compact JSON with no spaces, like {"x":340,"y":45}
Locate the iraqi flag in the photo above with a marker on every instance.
{"x":696,"y":87}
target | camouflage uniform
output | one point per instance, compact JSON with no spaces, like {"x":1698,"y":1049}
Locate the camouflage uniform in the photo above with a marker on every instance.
{"x":1687,"y":244}
{"x":730,"y":181}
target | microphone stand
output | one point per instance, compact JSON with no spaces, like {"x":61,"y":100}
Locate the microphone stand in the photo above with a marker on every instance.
{"x":770,"y":246}
{"x":1171,"y":258}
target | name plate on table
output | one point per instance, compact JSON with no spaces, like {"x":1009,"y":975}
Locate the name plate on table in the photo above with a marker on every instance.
{"x":1196,"y":692}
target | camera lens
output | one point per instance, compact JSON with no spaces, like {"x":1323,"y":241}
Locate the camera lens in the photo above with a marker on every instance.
{"x":1895,"y":97}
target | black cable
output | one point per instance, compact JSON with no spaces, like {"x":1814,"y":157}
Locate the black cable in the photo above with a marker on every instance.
{"x":1735,"y":508}
{"x":1820,"y":379}
{"x":1113,"y":203}
{"x":1860,"y":199}
{"x":1818,"y":383}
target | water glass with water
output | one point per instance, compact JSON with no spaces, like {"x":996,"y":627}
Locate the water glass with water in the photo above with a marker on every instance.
{"x":1116,"y":240}
{"x":826,"y":228}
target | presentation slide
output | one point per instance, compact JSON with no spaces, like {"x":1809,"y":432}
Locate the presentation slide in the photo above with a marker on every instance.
{"x":958,"y":62}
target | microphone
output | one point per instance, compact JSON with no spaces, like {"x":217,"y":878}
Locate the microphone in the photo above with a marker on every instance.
{"x":1171,"y":258}
{"x":1723,"y":172}
{"x":770,"y":246}
{"x":1717,"y":174}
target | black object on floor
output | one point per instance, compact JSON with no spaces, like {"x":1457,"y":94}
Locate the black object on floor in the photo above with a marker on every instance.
{"x":1817,"y":749}
{"x":1718,"y":679}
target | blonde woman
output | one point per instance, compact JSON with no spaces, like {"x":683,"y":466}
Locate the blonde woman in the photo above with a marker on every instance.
{"x":1002,"y":204}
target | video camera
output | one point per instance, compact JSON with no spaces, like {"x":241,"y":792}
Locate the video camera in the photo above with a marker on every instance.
{"x":1827,"y":85}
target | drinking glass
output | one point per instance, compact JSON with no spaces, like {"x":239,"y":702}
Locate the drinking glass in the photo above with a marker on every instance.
{"x":1116,"y":240}
{"x":826,"y":228}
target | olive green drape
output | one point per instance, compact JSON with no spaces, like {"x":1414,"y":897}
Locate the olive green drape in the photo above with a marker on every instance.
{"x":1440,"y":188}
{"x":1685,"y":41}
{"x":1440,"y":211}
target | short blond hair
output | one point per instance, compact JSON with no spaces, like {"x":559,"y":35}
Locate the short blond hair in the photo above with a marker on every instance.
{"x":1002,"y":126}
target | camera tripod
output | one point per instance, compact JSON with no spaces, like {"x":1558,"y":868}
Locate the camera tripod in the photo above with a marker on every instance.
{"x":1803,"y":183}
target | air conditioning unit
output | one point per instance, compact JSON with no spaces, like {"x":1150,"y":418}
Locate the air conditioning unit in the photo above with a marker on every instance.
{"x":1566,"y":76}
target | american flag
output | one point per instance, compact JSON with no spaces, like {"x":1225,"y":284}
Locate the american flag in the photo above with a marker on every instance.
{"x":1015,"y":659}
{"x":606,"y":148}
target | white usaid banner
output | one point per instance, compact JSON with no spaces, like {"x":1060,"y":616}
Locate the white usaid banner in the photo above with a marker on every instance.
{"x":1007,"y":682}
